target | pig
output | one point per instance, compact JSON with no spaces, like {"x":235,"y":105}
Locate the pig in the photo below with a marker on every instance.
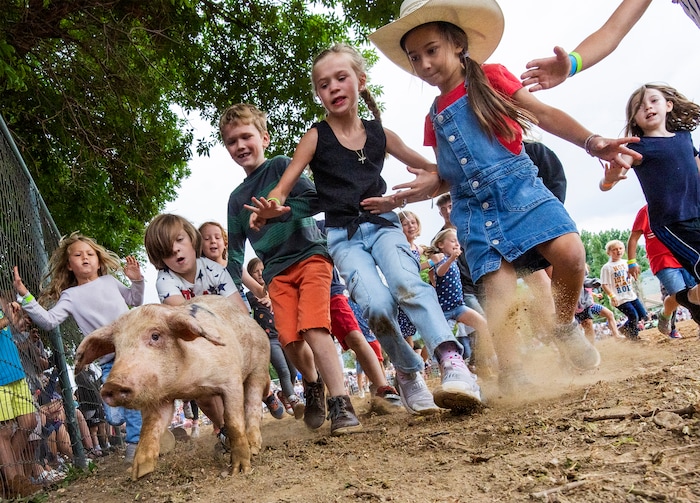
{"x":203,"y":349}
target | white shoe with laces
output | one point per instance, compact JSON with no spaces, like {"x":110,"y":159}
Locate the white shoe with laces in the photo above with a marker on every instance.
{"x":414,"y":393}
{"x":458,"y":390}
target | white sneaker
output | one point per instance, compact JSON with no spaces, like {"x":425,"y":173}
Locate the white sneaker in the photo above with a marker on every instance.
{"x":414,"y":393}
{"x":458,"y":389}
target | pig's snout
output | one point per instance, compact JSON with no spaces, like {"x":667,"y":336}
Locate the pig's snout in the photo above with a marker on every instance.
{"x":116,"y":394}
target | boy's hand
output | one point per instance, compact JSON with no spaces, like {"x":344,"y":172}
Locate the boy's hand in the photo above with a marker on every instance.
{"x":132,"y":269}
{"x":613,"y":173}
{"x":263,"y":210}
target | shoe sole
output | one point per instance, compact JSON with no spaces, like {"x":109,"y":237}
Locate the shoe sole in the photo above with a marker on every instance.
{"x":456,"y":400}
{"x":428,"y":411}
{"x":346,"y":430}
{"x":299,"y":410}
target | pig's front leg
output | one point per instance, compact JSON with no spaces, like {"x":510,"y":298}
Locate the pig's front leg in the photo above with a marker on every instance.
{"x":155,"y":421}
{"x":236,"y":431}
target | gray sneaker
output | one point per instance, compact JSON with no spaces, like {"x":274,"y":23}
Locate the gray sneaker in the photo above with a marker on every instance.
{"x":458,"y":390}
{"x":342,"y":416}
{"x":664,"y":325}
{"x":414,"y":393}
{"x":575,"y":348}
{"x":385,"y":400}
{"x":129,"y":453}
{"x":315,"y":409}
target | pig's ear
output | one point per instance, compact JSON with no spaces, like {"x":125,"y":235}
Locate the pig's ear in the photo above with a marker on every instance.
{"x":98,"y":343}
{"x":188,"y":325}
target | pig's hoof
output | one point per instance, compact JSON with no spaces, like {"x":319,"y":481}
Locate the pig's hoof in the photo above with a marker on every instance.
{"x":140,"y":469}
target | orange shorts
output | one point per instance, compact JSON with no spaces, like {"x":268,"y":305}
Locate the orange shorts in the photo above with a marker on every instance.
{"x":343,"y":320}
{"x":300,"y":298}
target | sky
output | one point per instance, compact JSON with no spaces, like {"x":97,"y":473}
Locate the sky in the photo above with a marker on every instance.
{"x":662,"y":47}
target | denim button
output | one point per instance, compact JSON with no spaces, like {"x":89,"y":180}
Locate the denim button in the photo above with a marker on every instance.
{"x":440,"y":119}
{"x":463,"y":161}
{"x":495,"y":241}
{"x":475,"y":184}
{"x":485,"y":206}
{"x":489,"y":223}
{"x":451,"y":138}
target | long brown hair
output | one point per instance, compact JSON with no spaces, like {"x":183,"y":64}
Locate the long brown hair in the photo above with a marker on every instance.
{"x":685,"y":115}
{"x":490,"y":107}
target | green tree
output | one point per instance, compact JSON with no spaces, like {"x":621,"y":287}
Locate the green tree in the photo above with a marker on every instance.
{"x":91,"y":91}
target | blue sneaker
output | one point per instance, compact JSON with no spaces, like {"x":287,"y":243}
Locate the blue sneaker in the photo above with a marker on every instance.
{"x":274,"y":406}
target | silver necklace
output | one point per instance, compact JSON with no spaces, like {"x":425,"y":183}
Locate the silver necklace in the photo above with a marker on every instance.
{"x":361,"y":155}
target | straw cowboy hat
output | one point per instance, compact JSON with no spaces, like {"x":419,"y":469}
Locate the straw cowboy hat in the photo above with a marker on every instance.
{"x":481,"y":20}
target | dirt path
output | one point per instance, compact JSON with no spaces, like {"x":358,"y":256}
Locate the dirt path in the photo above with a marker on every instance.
{"x":553,"y":445}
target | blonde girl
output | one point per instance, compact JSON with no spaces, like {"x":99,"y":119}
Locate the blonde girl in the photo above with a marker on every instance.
{"x":444,"y":273}
{"x":82,"y":285}
{"x":346,"y":154}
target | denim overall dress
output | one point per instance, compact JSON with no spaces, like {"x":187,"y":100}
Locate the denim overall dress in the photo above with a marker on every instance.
{"x":500,"y":207}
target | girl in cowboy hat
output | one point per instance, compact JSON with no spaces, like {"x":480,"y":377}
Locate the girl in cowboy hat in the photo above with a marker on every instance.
{"x":506,"y":219}
{"x":346,"y":155}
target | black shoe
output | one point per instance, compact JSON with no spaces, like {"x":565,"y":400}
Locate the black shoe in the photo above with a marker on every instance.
{"x":342,"y":416}
{"x":315,"y":410}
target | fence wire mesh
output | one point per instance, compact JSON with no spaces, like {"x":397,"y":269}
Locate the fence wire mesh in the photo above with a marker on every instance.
{"x":50,"y":423}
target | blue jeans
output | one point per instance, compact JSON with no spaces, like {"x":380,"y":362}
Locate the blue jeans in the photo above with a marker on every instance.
{"x":284,"y":368}
{"x":357,"y":260}
{"x":634,"y":310}
{"x":118,"y":415}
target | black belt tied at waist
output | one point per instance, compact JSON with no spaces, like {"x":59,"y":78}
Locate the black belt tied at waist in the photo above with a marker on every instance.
{"x":366,"y":216}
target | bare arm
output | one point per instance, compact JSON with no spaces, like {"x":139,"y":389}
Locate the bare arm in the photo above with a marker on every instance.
{"x":564,"y":126}
{"x":273,"y":205}
{"x":634,"y":269}
{"x":549,"y":72}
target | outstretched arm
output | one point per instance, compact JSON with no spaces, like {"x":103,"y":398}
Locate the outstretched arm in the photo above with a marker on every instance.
{"x":564,"y":126}
{"x":549,"y":72}
{"x":265,"y":208}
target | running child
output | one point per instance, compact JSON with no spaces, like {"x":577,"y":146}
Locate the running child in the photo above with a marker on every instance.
{"x":297,"y":269}
{"x":505,"y":217}
{"x":662,"y":119}
{"x":615,"y":282}
{"x":346,"y":155}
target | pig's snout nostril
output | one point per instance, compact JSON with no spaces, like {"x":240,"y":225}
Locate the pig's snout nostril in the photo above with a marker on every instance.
{"x":115,"y":394}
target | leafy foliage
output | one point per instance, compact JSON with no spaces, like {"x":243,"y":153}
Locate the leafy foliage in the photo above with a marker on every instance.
{"x":91,"y":90}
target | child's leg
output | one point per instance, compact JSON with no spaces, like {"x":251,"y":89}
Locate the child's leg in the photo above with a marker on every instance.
{"x":612,"y":323}
{"x":499,"y":290}
{"x":358,"y":268}
{"x":568,"y":257}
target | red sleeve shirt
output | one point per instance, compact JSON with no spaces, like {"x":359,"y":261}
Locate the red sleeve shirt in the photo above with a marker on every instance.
{"x":504,"y":83}
{"x":659,"y":256}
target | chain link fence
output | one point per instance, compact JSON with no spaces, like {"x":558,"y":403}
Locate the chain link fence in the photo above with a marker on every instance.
{"x":50,"y":423}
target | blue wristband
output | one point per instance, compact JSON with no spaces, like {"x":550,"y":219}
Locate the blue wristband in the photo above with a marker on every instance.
{"x":574,"y":65}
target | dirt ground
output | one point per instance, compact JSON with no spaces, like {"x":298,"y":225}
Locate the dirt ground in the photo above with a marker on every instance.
{"x":606,"y":436}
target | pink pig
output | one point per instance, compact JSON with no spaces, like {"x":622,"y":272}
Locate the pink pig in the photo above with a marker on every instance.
{"x":203,"y":349}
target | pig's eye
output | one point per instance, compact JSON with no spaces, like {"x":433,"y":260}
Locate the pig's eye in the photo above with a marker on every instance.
{"x":155,"y":336}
